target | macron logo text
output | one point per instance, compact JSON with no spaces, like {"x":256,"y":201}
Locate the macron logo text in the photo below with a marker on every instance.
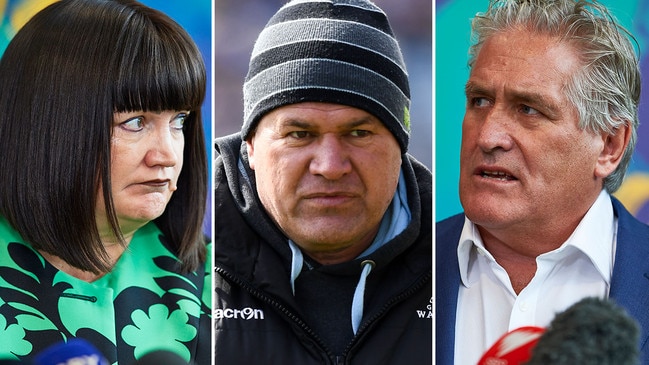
{"x":245,"y":313}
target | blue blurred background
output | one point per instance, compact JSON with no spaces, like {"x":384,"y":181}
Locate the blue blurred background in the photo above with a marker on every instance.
{"x":452,"y":37}
{"x":193,"y":15}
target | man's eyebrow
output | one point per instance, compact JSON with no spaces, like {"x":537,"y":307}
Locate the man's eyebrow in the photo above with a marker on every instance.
{"x":548,"y":107}
{"x":362,"y":122}
{"x":292,"y":122}
{"x":299,"y":123}
{"x":473,"y":88}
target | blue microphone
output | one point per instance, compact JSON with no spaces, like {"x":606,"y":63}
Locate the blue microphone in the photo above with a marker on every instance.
{"x":159,"y":357}
{"x":74,"y":352}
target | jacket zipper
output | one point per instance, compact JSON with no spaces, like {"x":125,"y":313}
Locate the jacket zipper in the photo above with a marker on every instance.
{"x":338,"y":360}
{"x":285,"y":311}
{"x":369,"y":323}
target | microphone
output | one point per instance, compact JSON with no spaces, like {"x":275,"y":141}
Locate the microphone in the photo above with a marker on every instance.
{"x":592,"y":331}
{"x":514,"y":347}
{"x":161,"y":357}
{"x":73,"y":352}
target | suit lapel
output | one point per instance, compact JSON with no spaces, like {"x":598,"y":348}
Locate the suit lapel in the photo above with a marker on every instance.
{"x":447,"y":284}
{"x":630,"y":280}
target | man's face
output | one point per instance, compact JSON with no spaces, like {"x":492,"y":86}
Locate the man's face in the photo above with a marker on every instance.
{"x":524,"y":161}
{"x":326,"y":174}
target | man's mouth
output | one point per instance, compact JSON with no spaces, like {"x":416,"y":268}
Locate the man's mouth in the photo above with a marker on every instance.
{"x":497,"y":175}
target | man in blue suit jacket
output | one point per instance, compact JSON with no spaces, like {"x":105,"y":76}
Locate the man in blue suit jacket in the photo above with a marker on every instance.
{"x":548,"y":133}
{"x":629,"y":285}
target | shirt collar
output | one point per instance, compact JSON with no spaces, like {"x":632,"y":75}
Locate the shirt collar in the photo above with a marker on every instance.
{"x":594,"y":237}
{"x":470,"y":241}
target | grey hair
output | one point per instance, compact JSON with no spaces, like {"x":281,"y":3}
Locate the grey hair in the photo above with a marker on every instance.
{"x":606,"y":90}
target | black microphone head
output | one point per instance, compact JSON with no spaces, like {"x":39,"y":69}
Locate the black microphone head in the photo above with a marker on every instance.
{"x":592,"y":331}
{"x":161,"y":357}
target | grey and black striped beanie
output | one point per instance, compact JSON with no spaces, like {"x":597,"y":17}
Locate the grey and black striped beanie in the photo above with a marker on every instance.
{"x":335,"y":51}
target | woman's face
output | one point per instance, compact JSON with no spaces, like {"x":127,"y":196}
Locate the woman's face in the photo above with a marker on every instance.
{"x":146,"y":159}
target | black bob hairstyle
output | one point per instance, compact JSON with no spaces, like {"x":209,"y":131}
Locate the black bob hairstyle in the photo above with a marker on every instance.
{"x":62,"y":77}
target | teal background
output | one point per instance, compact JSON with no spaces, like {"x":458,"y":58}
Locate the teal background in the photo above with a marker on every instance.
{"x":452,"y":40}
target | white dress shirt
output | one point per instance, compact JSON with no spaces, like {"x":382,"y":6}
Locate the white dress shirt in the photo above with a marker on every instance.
{"x":488,"y":307}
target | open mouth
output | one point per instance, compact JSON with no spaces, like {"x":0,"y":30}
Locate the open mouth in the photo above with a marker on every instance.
{"x":497,"y":175}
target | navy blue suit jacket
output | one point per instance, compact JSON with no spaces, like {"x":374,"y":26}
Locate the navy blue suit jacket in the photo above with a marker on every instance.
{"x":629,"y":284}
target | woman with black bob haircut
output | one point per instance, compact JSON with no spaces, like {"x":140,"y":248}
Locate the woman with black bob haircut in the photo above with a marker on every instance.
{"x":104,"y":184}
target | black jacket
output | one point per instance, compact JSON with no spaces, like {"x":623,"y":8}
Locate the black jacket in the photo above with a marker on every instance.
{"x":257,"y":318}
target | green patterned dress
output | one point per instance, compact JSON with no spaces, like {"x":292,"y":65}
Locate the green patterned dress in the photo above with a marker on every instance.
{"x":144,"y":304}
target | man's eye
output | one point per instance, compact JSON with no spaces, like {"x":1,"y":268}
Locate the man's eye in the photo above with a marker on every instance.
{"x":529,"y":110}
{"x":360,"y":133}
{"x":134,"y":124}
{"x":299,"y":134}
{"x":479,"y":102}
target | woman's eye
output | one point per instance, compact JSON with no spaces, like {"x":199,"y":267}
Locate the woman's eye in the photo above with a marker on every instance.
{"x":134,"y":124}
{"x":179,"y":121}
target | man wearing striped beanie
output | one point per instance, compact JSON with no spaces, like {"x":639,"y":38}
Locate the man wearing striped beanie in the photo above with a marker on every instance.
{"x":323,"y":245}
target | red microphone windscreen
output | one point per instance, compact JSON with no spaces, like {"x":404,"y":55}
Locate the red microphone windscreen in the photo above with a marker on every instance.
{"x":513,"y":348}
